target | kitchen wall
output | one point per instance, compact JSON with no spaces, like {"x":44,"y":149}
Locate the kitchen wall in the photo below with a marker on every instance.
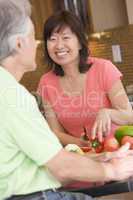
{"x":102,"y":47}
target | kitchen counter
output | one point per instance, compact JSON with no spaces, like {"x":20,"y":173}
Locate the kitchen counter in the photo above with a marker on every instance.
{"x":122,"y":196}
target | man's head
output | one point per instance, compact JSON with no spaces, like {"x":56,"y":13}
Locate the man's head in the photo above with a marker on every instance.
{"x":17,"y":32}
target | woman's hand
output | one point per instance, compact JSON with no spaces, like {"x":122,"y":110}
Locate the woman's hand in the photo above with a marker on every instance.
{"x":81,"y":143}
{"x":102,"y":124}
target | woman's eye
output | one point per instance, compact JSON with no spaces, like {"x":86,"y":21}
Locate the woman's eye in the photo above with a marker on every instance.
{"x":52,"y":38}
{"x":66,"y":37}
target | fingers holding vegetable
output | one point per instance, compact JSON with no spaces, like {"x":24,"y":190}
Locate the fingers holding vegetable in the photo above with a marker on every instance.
{"x":102,"y":125}
{"x":119,"y":143}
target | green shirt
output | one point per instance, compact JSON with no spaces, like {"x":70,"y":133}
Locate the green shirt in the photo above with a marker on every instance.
{"x":26,"y":142}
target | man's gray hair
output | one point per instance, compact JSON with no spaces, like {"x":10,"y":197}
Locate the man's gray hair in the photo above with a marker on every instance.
{"x":14,"y":19}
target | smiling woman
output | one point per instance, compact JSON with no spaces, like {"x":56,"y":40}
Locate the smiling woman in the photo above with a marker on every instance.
{"x":79,"y":92}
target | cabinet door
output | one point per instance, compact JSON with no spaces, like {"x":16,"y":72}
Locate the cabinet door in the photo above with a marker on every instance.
{"x":41,"y":10}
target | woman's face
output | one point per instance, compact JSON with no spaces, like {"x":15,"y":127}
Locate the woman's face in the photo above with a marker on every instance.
{"x":63,"y":47}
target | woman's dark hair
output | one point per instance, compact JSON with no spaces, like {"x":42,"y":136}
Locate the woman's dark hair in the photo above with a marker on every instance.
{"x":58,"y":21}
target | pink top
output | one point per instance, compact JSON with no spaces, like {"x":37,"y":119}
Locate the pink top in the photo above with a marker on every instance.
{"x":76,"y":112}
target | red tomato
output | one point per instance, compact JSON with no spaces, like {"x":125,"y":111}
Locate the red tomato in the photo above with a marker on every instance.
{"x":111,"y":144}
{"x":128,"y":139}
{"x":85,"y":149}
{"x":97,"y":146}
{"x":99,"y":149}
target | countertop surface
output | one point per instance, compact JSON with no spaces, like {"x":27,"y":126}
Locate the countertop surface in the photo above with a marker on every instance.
{"x":122,"y":196}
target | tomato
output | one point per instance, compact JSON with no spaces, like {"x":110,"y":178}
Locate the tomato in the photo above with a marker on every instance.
{"x":85,"y":149}
{"x":97,"y":146}
{"x":111,"y":144}
{"x":128,"y":139}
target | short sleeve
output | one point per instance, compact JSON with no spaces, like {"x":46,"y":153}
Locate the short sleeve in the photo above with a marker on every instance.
{"x":31,"y":133}
{"x":110,"y":74}
{"x":42,"y":89}
{"x":48,"y":88}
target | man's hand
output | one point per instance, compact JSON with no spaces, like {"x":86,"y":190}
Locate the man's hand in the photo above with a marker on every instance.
{"x":120,"y":168}
{"x":122,"y":152}
{"x":119,"y":164}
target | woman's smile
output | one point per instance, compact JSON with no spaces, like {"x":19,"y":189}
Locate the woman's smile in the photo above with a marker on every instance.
{"x":62,"y":53}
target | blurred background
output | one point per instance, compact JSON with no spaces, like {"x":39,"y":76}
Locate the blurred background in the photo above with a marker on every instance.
{"x":108,"y":25}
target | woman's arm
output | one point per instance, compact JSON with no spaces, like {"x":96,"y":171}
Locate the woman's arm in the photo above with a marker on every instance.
{"x":64,"y":137}
{"x":121,"y":112}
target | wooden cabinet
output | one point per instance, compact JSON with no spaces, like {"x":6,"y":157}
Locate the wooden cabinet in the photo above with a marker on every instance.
{"x":107,"y":14}
{"x":41,"y":10}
